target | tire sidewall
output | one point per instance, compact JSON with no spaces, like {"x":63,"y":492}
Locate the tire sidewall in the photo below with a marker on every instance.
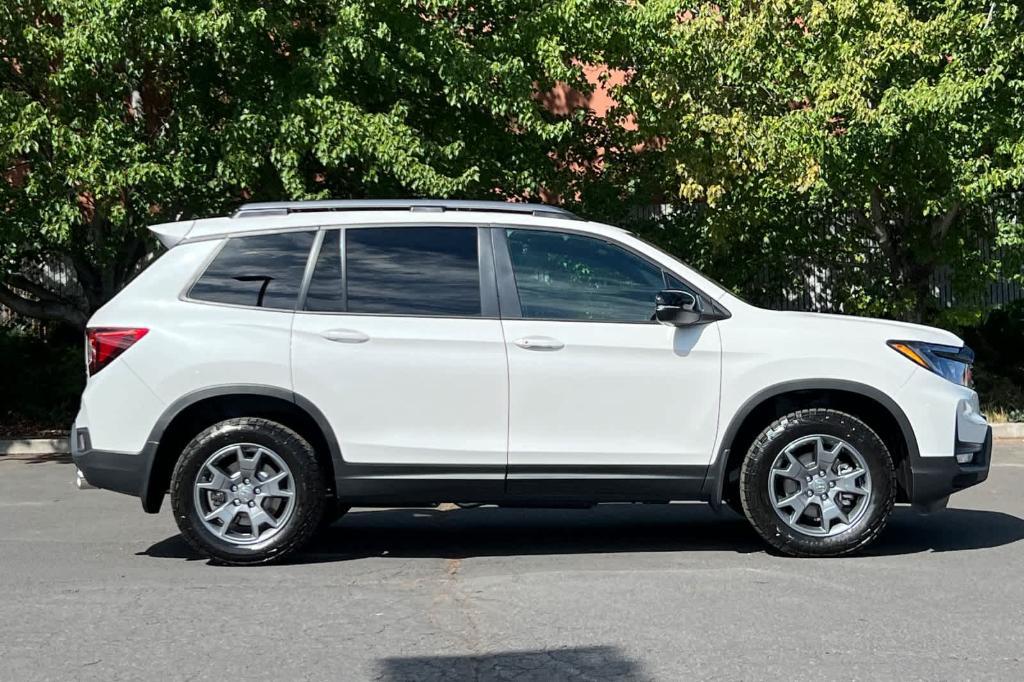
{"x":755,"y":481}
{"x":296,"y":453}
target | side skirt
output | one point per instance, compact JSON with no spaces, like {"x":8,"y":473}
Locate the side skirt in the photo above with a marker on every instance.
{"x":556,"y":485}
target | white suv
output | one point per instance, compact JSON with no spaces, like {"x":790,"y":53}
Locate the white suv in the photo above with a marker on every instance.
{"x":276,"y":367}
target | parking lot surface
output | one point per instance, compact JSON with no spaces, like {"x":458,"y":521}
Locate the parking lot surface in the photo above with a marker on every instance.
{"x":95,"y":589}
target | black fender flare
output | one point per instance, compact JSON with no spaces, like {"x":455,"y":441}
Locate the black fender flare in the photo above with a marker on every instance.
{"x":714,"y":482}
{"x":152,"y":498}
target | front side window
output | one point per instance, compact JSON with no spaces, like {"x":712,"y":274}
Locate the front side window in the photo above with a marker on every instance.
{"x":564,"y":276}
{"x":412,"y":271}
{"x":262,"y":271}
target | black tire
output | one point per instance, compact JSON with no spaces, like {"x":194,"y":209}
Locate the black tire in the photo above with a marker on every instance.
{"x":309,"y":491}
{"x":755,"y":477}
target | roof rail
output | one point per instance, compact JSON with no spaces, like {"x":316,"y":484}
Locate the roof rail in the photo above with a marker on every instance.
{"x":276,"y":208}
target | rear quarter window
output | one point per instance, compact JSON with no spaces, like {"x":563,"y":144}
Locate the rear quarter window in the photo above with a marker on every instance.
{"x":260,"y":271}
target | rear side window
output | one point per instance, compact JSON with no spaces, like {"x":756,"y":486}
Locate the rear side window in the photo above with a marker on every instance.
{"x":412,"y":271}
{"x":326,"y":290}
{"x":262,"y":271}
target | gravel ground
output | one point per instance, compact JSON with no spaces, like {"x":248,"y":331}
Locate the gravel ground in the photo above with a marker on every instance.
{"x":95,"y":589}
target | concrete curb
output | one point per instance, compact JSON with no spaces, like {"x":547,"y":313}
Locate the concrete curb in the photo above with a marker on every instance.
{"x":1011,"y":430}
{"x":34,"y":446}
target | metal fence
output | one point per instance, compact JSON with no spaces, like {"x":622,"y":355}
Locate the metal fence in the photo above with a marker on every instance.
{"x":829,"y":286}
{"x":57,"y":277}
{"x":835,"y":271}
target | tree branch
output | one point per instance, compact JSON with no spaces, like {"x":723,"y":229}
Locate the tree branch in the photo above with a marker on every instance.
{"x":19,"y":281}
{"x":941,"y":228}
{"x":87,"y":277}
{"x":878,"y":221}
{"x":42,"y":310}
{"x":877,"y":215}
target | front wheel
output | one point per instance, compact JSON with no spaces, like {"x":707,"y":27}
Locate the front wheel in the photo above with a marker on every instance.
{"x":247,"y":491}
{"x":818,"y":483}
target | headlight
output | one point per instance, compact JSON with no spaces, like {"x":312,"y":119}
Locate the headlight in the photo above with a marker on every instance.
{"x":949,"y":362}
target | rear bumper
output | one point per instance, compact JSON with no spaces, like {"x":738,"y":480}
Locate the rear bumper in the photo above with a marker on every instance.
{"x":118,"y":471}
{"x":934,"y":479}
{"x":115,"y":471}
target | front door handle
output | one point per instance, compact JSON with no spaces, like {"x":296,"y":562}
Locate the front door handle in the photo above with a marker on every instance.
{"x":345,"y":336}
{"x":539,"y":343}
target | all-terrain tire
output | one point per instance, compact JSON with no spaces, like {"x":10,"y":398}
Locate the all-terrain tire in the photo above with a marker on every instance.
{"x":310,"y":496}
{"x":755,"y":481}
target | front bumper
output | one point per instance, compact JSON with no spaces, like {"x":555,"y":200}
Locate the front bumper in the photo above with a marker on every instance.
{"x":933,"y":479}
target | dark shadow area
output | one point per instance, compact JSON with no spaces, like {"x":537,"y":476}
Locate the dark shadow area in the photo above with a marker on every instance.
{"x":580,"y":663}
{"x":949,"y":530}
{"x":490,"y":531}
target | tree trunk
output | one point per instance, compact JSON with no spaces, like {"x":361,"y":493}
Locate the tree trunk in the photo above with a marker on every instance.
{"x":896,"y":230}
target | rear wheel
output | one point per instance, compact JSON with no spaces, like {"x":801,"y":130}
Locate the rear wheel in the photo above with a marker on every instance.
{"x":818,"y":483}
{"x":247,"y":491}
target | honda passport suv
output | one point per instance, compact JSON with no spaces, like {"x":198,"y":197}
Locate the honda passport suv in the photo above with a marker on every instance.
{"x":274,"y":368}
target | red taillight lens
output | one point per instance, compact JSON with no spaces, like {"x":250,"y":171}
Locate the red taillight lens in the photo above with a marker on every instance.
{"x":103,"y":345}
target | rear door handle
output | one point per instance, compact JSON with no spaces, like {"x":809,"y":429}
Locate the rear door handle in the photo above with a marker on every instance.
{"x":345,"y":336}
{"x":539,"y":343}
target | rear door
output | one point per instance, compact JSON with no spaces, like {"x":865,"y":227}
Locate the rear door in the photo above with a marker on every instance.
{"x":399,"y":344}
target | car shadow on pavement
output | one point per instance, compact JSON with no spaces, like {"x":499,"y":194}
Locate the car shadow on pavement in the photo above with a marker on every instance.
{"x":948,"y":530}
{"x":491,"y":531}
{"x":574,"y":663}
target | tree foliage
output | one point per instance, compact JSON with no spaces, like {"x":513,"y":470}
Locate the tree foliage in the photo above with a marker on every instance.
{"x":834,"y":129}
{"x":115,"y":114}
{"x":882,"y":135}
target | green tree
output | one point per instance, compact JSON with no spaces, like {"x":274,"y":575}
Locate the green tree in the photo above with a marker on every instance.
{"x":115,"y":114}
{"x":898,"y":124}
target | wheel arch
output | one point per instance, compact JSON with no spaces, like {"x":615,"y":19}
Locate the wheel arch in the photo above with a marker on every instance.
{"x":866,"y":402}
{"x":190,"y":414}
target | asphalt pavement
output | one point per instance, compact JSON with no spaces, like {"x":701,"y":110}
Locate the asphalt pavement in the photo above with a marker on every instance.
{"x":92,"y":588}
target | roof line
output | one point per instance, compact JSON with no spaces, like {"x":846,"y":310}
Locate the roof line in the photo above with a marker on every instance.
{"x":278,"y":208}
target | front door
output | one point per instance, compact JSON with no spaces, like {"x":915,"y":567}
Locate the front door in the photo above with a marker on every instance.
{"x":399,"y":345}
{"x":603,"y":401}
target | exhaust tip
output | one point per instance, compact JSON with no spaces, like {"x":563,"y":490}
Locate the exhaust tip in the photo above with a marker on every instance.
{"x":80,"y":481}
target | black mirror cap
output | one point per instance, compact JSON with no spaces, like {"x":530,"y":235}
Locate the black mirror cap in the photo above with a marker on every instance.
{"x":677,"y":308}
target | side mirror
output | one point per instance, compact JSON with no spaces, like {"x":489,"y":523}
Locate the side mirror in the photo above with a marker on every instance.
{"x":677,"y":308}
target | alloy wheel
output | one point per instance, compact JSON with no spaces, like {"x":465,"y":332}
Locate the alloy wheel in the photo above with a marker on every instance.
{"x":244,"y":493}
{"x":820,"y":485}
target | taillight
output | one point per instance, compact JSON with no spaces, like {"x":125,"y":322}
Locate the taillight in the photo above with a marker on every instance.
{"x":104,"y":344}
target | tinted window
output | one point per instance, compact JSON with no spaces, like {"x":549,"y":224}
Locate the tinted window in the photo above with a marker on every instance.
{"x":673,"y":282}
{"x":326,"y":293}
{"x":412,"y":271}
{"x":571,"y":277}
{"x":263,"y":271}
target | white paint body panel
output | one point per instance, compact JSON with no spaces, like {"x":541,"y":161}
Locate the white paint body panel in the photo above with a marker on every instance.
{"x":190,"y":346}
{"x":416,"y":390}
{"x":637,"y":394}
{"x":119,"y":410}
{"x":764,"y":348}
